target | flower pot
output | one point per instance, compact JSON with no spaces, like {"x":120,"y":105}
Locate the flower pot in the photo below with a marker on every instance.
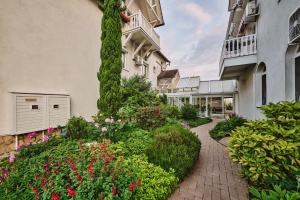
{"x":124,"y":17}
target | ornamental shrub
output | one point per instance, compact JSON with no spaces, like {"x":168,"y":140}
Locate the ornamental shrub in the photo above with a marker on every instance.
{"x":174,"y":147}
{"x":79,"y":128}
{"x":188,"y":112}
{"x":110,"y":70}
{"x":149,"y":118}
{"x":269,"y":148}
{"x":169,"y":111}
{"x":156,"y":183}
{"x":276,"y":194}
{"x":136,"y":92}
{"x":224,"y":128}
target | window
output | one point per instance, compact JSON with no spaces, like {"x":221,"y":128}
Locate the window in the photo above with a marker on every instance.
{"x":297,"y":79}
{"x":145,"y":70}
{"x":123,"y":59}
{"x":261,"y":85}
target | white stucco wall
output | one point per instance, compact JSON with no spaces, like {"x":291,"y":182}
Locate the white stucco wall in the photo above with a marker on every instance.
{"x":52,"y":47}
{"x":274,"y":51}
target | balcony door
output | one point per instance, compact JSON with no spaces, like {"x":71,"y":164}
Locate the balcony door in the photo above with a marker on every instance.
{"x":297,"y":79}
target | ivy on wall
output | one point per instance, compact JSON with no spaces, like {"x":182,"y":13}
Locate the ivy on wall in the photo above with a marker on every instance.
{"x":110,"y":70}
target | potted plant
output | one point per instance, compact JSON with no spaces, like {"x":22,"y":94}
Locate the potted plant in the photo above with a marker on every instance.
{"x":124,"y":17}
{"x":123,"y":14}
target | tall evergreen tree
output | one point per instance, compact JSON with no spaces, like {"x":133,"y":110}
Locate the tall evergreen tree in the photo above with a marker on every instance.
{"x":111,"y":56}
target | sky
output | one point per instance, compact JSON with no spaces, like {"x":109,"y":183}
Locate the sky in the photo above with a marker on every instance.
{"x":193,"y":35}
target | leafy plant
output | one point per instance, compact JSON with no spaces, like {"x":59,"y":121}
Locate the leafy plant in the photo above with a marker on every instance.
{"x":156,"y":183}
{"x":79,"y":128}
{"x":224,"y":128}
{"x":188,"y":112}
{"x":174,"y":147}
{"x":149,"y":118}
{"x":269,"y":148}
{"x":110,"y":70}
{"x":136,"y":92}
{"x":169,"y":111}
{"x":276,"y":194}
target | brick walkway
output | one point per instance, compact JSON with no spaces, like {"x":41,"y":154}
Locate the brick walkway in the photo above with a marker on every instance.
{"x":214,"y":176}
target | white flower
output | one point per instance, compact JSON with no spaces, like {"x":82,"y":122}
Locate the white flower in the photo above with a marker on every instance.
{"x":104,"y":129}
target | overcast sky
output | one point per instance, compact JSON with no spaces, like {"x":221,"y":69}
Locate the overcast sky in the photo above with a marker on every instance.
{"x":193,"y":35}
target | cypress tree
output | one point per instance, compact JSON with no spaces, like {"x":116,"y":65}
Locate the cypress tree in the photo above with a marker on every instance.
{"x":110,"y":70}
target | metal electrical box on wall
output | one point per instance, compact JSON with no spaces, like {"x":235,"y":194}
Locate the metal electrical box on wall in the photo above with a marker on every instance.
{"x":36,"y":112}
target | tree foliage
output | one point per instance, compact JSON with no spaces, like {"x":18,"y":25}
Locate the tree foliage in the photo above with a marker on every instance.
{"x":111,"y":52}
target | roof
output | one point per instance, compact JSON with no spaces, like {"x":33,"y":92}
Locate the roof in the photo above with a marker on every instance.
{"x":163,"y":56}
{"x":168,"y":74}
{"x":189,"y":82}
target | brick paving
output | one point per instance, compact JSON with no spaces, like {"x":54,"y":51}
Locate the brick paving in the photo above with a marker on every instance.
{"x":214,"y":177}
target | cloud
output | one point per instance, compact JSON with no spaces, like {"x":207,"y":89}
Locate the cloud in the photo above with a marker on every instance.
{"x":193,"y":35}
{"x":198,"y":12}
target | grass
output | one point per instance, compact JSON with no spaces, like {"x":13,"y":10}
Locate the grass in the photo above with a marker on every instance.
{"x":198,"y":122}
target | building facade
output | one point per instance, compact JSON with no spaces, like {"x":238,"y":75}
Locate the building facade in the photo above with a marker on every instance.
{"x":50,"y":56}
{"x":212,"y":98}
{"x":261,"y":51}
{"x":141,"y":43}
{"x":167,"y":80}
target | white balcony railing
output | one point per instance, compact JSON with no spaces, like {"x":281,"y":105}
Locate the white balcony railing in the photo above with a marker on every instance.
{"x":137,"y":21}
{"x":241,"y":46}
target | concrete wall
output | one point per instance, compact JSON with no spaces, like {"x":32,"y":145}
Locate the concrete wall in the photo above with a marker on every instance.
{"x":51,"y":47}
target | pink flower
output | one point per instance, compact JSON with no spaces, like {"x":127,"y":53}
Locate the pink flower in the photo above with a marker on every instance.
{"x":97,"y":125}
{"x":12,"y":158}
{"x":50,"y":130}
{"x":104,"y":129}
{"x":107,"y":120}
{"x":45,"y":138}
{"x":112,"y":120}
{"x":19,"y":147}
{"x":31,"y":135}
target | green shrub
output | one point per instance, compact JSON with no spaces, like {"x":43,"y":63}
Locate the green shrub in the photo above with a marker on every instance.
{"x":174,"y":147}
{"x":169,"y":111}
{"x":276,"y":194}
{"x":79,"y":128}
{"x":137,"y":92}
{"x":199,"y":121}
{"x":156,"y":183}
{"x":224,"y":128}
{"x":269,"y":148}
{"x":138,"y":142}
{"x":149,"y":118}
{"x":188,"y":112}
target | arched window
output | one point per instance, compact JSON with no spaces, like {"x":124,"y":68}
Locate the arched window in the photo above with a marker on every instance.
{"x":297,"y":76}
{"x":261,"y":85}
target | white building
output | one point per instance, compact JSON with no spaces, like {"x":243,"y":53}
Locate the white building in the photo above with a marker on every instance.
{"x":261,"y":51}
{"x":211,"y":98}
{"x":50,"y":56}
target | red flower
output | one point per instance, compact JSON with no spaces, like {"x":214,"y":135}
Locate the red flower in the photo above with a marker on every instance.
{"x":139,"y":182}
{"x":114,"y":191}
{"x":79,"y":178}
{"x":71,"y":192}
{"x":36,"y":192}
{"x":101,"y":197}
{"x":54,"y":196}
{"x":113,"y":178}
{"x":132,"y":186}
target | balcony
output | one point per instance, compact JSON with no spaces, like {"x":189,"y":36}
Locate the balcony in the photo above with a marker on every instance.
{"x":139,"y":29}
{"x":237,"y":55}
